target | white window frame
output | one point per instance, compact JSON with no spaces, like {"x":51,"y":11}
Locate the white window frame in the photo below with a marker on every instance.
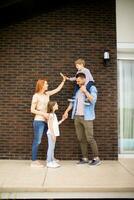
{"x":125,"y":51}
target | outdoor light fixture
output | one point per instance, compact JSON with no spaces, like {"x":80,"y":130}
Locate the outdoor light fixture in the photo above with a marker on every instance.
{"x":106,"y":58}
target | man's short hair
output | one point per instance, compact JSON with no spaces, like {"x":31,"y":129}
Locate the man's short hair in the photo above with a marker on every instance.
{"x":81,"y":75}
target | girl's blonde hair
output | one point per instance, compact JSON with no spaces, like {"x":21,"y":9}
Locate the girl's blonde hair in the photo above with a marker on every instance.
{"x":50,"y":106}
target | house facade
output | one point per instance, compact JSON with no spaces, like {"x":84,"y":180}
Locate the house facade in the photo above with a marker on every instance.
{"x":43,"y":45}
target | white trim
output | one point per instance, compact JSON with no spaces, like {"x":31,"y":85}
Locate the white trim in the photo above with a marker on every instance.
{"x":122,"y":153}
{"x":125,"y":51}
{"x":123,"y":45}
{"x":125,"y":155}
{"x":123,"y":58}
{"x":65,"y":195}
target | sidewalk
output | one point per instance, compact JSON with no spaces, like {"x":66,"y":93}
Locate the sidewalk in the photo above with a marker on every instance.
{"x":113,"y":179}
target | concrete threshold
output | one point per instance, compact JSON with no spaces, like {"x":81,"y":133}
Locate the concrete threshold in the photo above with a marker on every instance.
{"x":66,"y":195}
{"x":112,"y":179}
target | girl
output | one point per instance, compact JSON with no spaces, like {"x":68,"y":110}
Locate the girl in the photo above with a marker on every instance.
{"x":52,"y":133}
{"x":39,"y":108}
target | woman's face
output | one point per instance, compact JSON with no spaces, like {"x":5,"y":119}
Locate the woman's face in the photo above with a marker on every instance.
{"x":45,"y":86}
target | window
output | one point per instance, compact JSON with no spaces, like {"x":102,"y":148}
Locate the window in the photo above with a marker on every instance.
{"x":126,"y":105}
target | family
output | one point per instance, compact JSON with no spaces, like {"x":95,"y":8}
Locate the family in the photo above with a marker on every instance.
{"x":82,"y":105}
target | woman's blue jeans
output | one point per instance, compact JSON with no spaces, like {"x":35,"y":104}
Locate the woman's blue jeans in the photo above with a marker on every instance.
{"x":40,"y":128}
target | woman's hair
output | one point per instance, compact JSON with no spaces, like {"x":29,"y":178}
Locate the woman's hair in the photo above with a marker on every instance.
{"x":50,"y":106}
{"x":39,"y":85}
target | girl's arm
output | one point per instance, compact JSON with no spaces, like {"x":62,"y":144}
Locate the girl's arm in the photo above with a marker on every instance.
{"x":65,"y":115}
{"x":52,"y":92}
{"x":62,"y":120}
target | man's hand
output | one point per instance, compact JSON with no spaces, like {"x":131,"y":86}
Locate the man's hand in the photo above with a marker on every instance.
{"x":87,"y":94}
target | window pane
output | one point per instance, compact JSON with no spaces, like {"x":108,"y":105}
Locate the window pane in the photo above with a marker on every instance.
{"x":126,"y":105}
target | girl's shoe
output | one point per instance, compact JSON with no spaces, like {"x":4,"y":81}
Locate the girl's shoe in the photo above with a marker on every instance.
{"x":56,"y":160}
{"x":53,"y":164}
{"x":56,"y":163}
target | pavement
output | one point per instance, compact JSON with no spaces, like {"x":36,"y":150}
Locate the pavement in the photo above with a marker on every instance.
{"x":111,"y":179}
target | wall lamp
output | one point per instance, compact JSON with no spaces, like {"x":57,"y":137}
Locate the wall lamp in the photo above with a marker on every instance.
{"x":106,"y":58}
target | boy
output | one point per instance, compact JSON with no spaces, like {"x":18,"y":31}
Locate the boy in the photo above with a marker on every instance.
{"x":80,"y":65}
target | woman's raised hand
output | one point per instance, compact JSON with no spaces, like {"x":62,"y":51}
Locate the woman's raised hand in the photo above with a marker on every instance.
{"x":64,"y":77}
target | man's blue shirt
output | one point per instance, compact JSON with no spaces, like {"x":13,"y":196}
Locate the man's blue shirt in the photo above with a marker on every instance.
{"x":89,"y":110}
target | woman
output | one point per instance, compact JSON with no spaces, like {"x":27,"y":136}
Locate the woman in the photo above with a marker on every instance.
{"x":39,"y":108}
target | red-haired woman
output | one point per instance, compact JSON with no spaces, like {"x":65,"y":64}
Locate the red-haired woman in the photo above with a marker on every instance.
{"x":39,"y":108}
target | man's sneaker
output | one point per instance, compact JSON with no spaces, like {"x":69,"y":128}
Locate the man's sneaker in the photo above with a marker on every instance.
{"x":83,"y":161}
{"x":53,"y":164}
{"x":95,"y":162}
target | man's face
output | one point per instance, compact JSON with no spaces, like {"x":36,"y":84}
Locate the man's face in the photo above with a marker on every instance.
{"x":80,"y":81}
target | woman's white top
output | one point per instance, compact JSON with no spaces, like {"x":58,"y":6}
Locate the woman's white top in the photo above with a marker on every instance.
{"x":55,"y":124}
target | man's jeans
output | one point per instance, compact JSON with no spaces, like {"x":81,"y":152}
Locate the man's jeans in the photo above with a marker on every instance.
{"x":51,"y":147}
{"x":40,"y":127}
{"x":84,"y":132}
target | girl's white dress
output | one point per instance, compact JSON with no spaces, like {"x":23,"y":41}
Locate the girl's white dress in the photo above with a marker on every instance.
{"x":55,"y":124}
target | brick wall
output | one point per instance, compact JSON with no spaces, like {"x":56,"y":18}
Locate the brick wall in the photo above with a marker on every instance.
{"x":43,"y":46}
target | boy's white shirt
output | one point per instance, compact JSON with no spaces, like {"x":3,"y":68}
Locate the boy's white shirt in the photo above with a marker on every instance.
{"x":87,"y":73}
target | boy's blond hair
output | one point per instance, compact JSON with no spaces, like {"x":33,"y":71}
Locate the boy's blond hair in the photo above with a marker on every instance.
{"x":80,"y":61}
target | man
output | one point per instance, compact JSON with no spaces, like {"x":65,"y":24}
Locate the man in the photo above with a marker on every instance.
{"x":83,"y":115}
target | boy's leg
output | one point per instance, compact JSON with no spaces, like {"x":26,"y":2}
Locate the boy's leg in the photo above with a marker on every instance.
{"x":88,"y":86}
{"x":76,"y":88}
